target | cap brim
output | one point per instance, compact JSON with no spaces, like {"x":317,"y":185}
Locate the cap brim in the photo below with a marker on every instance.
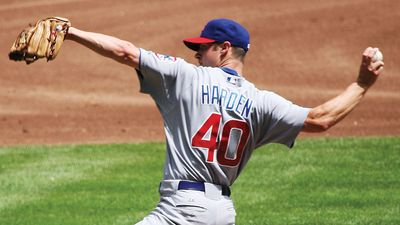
{"x":194,"y":43}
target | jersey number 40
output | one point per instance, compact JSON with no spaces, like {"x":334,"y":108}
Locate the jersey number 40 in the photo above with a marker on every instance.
{"x":211,"y":144}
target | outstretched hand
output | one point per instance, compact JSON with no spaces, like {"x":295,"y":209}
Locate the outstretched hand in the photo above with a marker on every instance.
{"x":326,"y":115}
{"x":369,"y":69}
{"x":43,"y":40}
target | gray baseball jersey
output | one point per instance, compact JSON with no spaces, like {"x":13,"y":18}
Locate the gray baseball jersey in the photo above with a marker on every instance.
{"x":213,"y":118}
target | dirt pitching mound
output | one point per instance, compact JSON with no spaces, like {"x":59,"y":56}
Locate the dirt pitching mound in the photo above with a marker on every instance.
{"x":307,"y":51}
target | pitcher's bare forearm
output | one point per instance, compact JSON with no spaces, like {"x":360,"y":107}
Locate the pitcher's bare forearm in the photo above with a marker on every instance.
{"x":328,"y":114}
{"x":331,"y":112}
{"x":108,"y":46}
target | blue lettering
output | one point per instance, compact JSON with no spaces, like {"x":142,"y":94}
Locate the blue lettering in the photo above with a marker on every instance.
{"x":239,"y":103}
{"x":205,"y":93}
{"x":222,"y":98}
{"x":215,"y":95}
{"x":247,"y":107}
{"x":231,"y":102}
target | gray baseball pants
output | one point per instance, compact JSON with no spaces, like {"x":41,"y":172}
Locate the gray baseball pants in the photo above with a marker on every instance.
{"x":191,"y":207}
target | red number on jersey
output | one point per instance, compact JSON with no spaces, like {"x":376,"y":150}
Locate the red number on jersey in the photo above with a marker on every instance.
{"x":211,"y":144}
{"x":243,"y":127}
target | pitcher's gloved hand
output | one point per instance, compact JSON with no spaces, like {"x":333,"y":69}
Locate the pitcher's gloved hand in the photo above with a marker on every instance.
{"x":43,"y":40}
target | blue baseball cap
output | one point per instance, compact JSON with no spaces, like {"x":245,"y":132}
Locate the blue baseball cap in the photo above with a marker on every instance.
{"x":220,"y":30}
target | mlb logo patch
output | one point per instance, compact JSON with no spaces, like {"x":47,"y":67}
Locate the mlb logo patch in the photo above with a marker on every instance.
{"x":232,"y":80}
{"x":166,"y":58}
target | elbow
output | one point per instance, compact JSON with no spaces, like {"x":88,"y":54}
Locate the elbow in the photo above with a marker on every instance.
{"x":127,"y":53}
{"x":319,"y":120}
{"x":315,"y":126}
{"x":324,"y":126}
{"x":123,"y":49}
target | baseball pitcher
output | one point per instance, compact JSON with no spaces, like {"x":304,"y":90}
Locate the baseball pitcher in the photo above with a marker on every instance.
{"x":213,"y":117}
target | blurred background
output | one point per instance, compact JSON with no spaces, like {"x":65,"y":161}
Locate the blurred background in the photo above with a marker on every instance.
{"x":308,"y":51}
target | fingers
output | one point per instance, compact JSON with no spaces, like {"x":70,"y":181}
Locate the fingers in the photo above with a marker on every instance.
{"x":369,"y":52}
{"x":376,"y":67}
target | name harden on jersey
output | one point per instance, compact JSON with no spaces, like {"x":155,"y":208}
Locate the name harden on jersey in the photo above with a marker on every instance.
{"x":230,"y":100}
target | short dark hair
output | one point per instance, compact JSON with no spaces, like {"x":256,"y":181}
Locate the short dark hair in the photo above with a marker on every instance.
{"x":237,"y":52}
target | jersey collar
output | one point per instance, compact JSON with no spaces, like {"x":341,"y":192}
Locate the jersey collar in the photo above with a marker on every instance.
{"x":230,"y":71}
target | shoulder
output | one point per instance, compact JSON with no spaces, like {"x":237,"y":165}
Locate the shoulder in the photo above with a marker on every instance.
{"x":163,"y":63}
{"x":146,"y":55}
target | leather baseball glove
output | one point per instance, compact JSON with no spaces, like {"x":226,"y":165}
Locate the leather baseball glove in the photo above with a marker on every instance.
{"x":39,"y":41}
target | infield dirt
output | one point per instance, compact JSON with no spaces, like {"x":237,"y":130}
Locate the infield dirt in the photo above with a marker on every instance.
{"x":307,"y":51}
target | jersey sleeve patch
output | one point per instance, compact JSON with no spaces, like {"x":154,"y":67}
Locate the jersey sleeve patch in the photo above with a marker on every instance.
{"x":166,"y":58}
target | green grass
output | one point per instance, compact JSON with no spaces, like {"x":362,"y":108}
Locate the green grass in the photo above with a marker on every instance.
{"x":324,"y":181}
{"x":321,"y":181}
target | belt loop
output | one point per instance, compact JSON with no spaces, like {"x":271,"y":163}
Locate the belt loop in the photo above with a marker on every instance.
{"x":168,"y":187}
